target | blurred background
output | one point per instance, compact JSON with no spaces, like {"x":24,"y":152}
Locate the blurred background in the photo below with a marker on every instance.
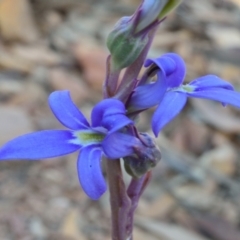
{"x":48,"y":45}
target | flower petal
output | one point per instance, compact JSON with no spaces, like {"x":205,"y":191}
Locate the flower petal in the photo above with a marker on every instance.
{"x":166,"y":64}
{"x":90,"y":173}
{"x":118,"y":145}
{"x":106,"y":107}
{"x":115,"y":122}
{"x":66,"y":111}
{"x":210,"y":81}
{"x":174,"y":77}
{"x":42,"y":144}
{"x":171,"y":105}
{"x":219,"y":94}
{"x":149,"y":95}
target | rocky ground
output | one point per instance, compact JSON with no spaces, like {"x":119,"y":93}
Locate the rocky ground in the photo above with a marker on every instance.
{"x":47,"y":45}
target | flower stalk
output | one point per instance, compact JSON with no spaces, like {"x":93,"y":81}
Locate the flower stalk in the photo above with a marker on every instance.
{"x":119,"y":200}
{"x":129,"y":79}
{"x":134,"y":191}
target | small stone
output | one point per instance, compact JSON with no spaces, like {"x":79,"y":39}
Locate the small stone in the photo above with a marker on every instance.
{"x":224,"y":37}
{"x":222,"y":159}
{"x":10,"y":86}
{"x":62,"y":80}
{"x":38,"y":54}
{"x":37,"y":228}
{"x":30,"y":96}
{"x":159,"y":208}
{"x":70,"y":226}
{"x":93,"y":60}
{"x":9,"y":61}
{"x":14,"y":122}
{"x":21,"y":25}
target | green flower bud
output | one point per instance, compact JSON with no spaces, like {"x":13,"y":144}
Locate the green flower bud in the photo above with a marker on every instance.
{"x":130,"y":35}
{"x":124,"y":48}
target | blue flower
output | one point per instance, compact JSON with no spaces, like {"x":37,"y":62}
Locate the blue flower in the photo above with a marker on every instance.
{"x":102,"y":137}
{"x":149,"y":93}
{"x":171,"y":95}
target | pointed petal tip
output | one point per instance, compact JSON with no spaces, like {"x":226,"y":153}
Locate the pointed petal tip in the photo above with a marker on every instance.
{"x":156,"y":132}
{"x":225,"y":96}
{"x":38,"y":145}
{"x":96,"y":195}
{"x":66,"y":111}
{"x":170,"y":107}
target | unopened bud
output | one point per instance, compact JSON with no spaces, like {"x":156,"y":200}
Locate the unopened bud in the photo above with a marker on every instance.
{"x":124,"y":48}
{"x":144,"y":158}
{"x":129,"y":36}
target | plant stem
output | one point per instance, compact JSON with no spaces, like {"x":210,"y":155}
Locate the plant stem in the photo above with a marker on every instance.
{"x":129,"y":79}
{"x":111,"y":81}
{"x":135,"y":190}
{"x":119,"y":200}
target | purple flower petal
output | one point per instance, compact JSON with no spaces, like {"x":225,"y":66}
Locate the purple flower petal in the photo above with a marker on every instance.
{"x":66,"y":111}
{"x":166,"y":64}
{"x":210,"y":81}
{"x":90,"y":173}
{"x":115,"y":122}
{"x":149,"y":95}
{"x":218,"y":94}
{"x":106,"y":107}
{"x":175,"y":76}
{"x":118,"y":145}
{"x":42,"y":144}
{"x":171,"y":105}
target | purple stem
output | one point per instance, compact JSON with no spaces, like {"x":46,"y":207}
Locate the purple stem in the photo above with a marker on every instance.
{"x":135,"y":190}
{"x":111,"y":81}
{"x":129,"y":79}
{"x":122,"y":208}
{"x":119,"y":200}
